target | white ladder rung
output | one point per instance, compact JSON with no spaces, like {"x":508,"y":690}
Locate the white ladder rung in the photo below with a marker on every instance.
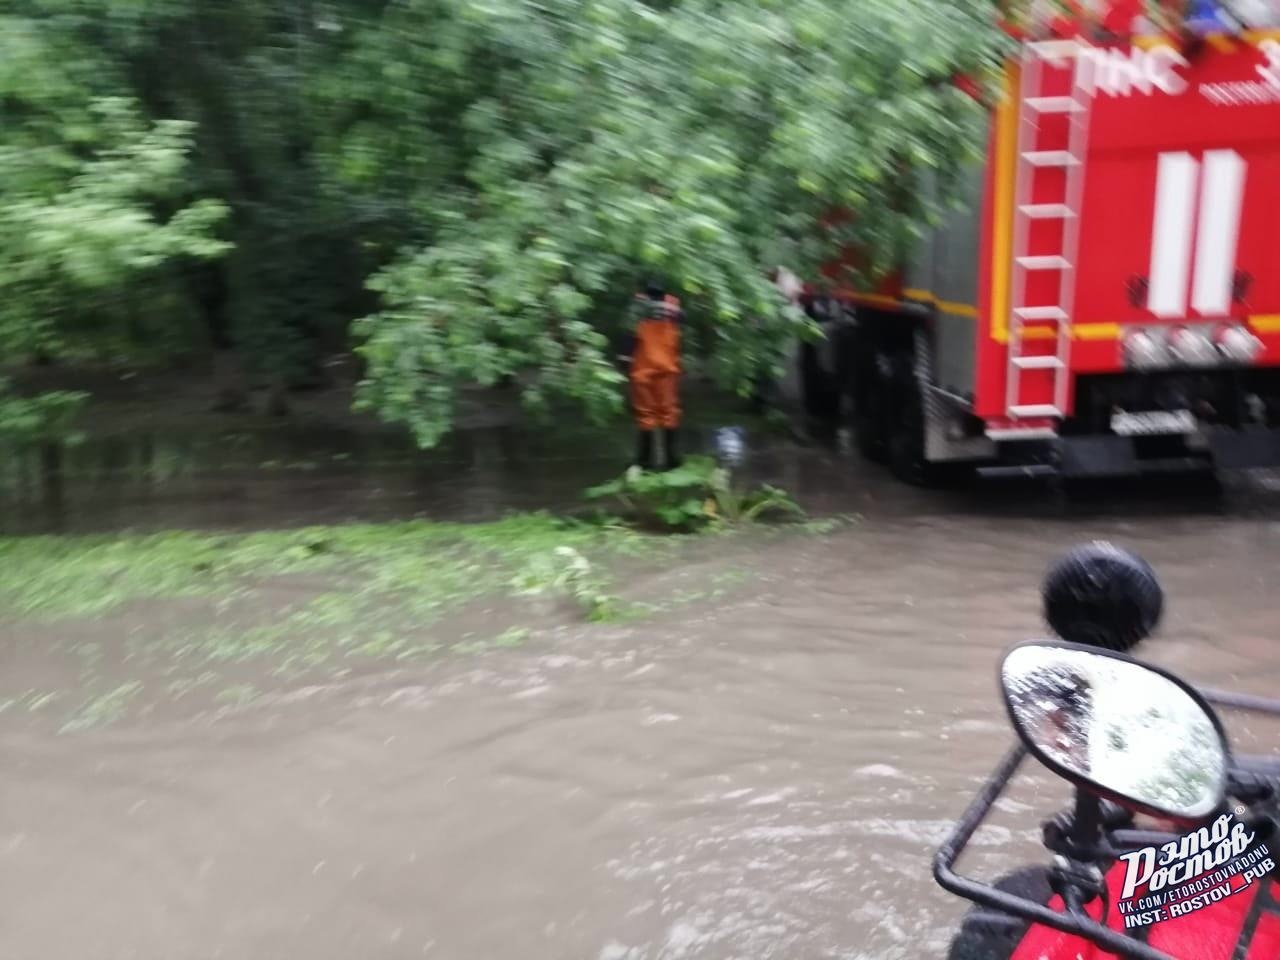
{"x":1050,"y":158}
{"x":1047,"y":211}
{"x":1038,"y":363}
{"x":1044,"y":263}
{"x":1054,"y":105}
{"x":1035,"y":410}
{"x":1041,"y":313}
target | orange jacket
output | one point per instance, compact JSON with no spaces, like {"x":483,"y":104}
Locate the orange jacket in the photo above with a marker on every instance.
{"x":657,"y":349}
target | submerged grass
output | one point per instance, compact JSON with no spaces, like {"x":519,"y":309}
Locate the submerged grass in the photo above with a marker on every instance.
{"x":422,"y":564}
{"x":127,"y":621}
{"x":120,"y":626}
{"x":103,"y":708}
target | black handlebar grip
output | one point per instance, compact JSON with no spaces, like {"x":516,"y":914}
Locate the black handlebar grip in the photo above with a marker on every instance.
{"x":1254,"y":779}
{"x":1102,"y":596}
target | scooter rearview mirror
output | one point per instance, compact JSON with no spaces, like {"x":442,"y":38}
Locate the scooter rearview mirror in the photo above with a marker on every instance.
{"x":1123,"y":730}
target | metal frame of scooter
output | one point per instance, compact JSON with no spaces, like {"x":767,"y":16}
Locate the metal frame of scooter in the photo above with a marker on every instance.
{"x":1075,"y":924}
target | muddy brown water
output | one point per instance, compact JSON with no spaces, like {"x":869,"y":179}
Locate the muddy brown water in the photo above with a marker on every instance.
{"x":762,"y":777}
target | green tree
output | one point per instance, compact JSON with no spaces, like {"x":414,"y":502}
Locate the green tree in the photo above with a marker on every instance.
{"x":95,"y":214}
{"x":242,"y":75}
{"x":553,"y":153}
{"x":501,"y":172}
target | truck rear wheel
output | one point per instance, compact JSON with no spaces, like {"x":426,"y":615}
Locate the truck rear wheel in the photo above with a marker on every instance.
{"x":907,"y":458}
{"x":871,"y":412}
{"x":869,"y":432}
{"x":871,"y":394}
{"x":821,"y":396}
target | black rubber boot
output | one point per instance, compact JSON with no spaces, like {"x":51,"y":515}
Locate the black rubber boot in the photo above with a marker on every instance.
{"x":644,"y":450}
{"x":671,"y":455}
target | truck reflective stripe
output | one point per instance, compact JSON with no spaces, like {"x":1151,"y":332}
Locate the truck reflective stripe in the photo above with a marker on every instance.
{"x":1171,"y":237}
{"x":1220,"y":201}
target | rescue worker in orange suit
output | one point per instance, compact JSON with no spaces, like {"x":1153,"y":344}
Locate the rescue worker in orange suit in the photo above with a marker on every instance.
{"x":655,"y":374}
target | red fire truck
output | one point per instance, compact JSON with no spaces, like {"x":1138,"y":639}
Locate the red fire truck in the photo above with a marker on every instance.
{"x":1110,"y":304}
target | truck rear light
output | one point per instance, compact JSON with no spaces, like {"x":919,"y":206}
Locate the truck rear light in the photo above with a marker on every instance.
{"x":1192,"y":348}
{"x":1237,"y":344}
{"x":1144,"y":350}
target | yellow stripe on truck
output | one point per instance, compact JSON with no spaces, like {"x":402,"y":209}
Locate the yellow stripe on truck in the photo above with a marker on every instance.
{"x":946,"y":306}
{"x":1006,"y":154}
{"x":1265,"y":323}
{"x":1081,"y":331}
{"x":877,"y":300}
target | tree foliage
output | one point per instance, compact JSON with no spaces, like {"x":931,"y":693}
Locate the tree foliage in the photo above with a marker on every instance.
{"x":490,"y":177}
{"x":94,"y":215}
{"x":562,"y":150}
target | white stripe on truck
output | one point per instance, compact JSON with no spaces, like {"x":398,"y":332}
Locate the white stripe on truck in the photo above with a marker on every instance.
{"x":1171,"y":236}
{"x":1219,"y":228}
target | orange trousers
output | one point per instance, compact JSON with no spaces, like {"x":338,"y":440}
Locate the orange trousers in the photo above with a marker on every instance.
{"x":655,"y":401}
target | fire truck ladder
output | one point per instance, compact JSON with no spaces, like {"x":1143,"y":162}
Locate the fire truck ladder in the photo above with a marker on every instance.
{"x":1035,"y":160}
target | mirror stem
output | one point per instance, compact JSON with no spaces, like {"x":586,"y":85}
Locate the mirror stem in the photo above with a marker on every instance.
{"x":1086,"y":824}
{"x":1076,"y":878}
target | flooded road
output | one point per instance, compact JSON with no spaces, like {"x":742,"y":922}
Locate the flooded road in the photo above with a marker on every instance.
{"x":765,"y":776}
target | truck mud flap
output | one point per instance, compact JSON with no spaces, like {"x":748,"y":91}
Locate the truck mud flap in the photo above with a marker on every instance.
{"x":1243,"y":449}
{"x":1098,"y":456}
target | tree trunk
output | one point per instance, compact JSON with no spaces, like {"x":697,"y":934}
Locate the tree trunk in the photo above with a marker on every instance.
{"x":278,"y":399}
{"x":52,"y":484}
{"x":230,"y":391}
